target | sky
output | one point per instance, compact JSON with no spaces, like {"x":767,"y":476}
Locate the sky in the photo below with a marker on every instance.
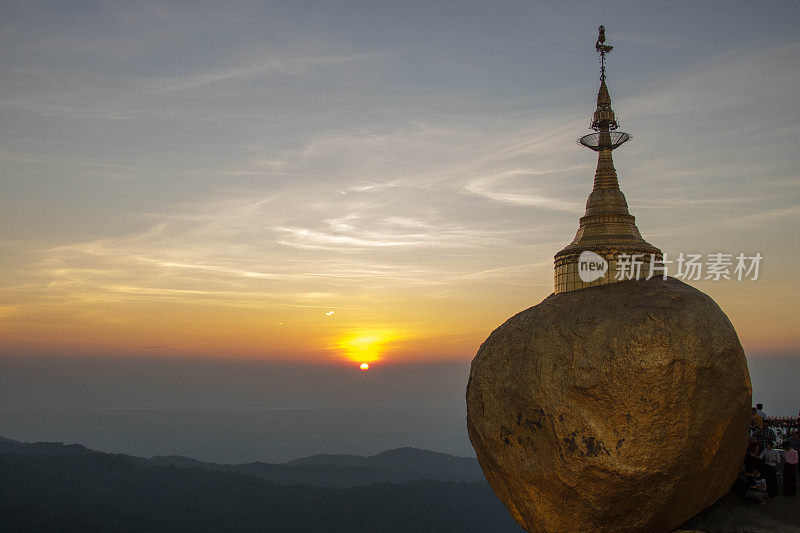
{"x":330,"y":183}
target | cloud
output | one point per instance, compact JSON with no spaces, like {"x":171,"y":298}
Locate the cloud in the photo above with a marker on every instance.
{"x":305,"y":238}
{"x":267,"y":63}
{"x":484,"y":187}
{"x":766,"y":217}
{"x":734,"y":80}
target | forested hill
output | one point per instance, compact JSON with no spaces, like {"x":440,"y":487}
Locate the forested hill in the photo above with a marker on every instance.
{"x":55,"y":487}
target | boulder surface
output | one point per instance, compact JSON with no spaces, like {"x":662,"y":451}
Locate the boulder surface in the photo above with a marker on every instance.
{"x":622,"y":407}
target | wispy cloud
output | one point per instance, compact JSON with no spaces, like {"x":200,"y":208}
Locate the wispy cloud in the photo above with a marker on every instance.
{"x":269,"y":63}
{"x":487,"y":187}
{"x":766,"y":217}
{"x":735,"y":80}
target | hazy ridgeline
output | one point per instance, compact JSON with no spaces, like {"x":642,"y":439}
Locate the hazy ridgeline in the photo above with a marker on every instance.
{"x":53,"y":487}
{"x":238,"y":410}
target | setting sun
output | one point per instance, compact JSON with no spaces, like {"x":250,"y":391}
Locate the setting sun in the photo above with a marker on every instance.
{"x":364,"y":366}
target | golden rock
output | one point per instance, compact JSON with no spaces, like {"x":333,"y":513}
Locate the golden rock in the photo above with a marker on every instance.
{"x":622,"y":407}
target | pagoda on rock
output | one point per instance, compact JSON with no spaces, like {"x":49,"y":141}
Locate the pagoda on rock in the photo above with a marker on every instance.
{"x":608,"y":247}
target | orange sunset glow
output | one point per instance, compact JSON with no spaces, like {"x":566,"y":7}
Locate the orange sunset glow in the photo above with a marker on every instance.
{"x":157,"y":310}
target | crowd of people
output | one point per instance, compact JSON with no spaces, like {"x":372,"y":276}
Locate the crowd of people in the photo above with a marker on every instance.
{"x":771,"y":458}
{"x":786,"y":422}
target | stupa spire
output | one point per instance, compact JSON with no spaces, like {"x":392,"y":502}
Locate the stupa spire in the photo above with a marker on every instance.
{"x":607,"y":228}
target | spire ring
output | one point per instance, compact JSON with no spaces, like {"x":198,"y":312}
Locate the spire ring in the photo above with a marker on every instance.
{"x":597,"y":142}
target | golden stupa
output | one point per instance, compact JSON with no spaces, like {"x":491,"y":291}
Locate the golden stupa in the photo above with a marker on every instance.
{"x":607,"y":228}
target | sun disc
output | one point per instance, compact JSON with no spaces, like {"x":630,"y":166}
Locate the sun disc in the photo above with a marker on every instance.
{"x":364,"y":366}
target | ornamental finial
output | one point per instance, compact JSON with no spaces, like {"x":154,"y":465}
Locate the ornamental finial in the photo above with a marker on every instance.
{"x":603,"y":49}
{"x":604,"y":121}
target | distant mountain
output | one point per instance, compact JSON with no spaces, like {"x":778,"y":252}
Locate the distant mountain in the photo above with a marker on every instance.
{"x":41,"y":448}
{"x":57,"y":487}
{"x":331,"y":459}
{"x":436,"y":463}
{"x":327,"y":470}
